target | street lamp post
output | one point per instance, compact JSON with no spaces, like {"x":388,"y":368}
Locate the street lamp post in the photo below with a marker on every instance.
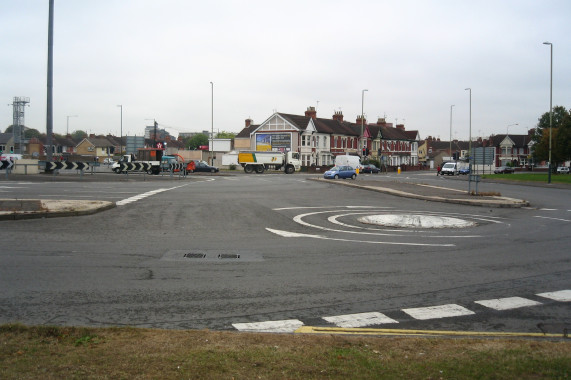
{"x":212,"y":124}
{"x":470,"y":141}
{"x":450,"y":152}
{"x":362,"y":113}
{"x":550,"y":107}
{"x":67,"y":128}
{"x":121,"y":138}
{"x":508,"y":128}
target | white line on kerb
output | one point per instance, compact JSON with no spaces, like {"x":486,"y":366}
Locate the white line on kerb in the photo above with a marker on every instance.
{"x":442,"y":311}
{"x":507,"y":303}
{"x":561,"y":295}
{"x":285,"y":326}
{"x":359,"y":320}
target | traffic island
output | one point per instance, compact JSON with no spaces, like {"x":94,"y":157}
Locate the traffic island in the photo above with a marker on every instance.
{"x":16,"y":209}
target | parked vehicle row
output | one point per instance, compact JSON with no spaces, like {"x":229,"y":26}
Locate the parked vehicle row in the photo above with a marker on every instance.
{"x":504,"y":170}
{"x":563,"y":170}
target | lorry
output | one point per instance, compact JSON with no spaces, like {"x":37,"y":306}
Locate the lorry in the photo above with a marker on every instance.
{"x":259,"y":162}
{"x":147,"y":159}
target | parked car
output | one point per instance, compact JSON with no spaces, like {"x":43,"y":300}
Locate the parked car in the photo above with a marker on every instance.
{"x":108,"y":161}
{"x":340,"y":172}
{"x":465,"y":170}
{"x":370,"y":168}
{"x":201,"y":166}
{"x":504,"y":170}
{"x":563,"y":170}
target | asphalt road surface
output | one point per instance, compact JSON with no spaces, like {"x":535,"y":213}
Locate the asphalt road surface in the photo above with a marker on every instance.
{"x":273,"y":252}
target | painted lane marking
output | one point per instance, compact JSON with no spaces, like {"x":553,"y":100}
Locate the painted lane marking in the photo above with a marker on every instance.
{"x":547,"y":209}
{"x":546,"y":217}
{"x":507,"y":303}
{"x":561,"y":295}
{"x":285,"y":326}
{"x":295,"y":234}
{"x":315,"y":207}
{"x":144,"y":195}
{"x":434,"y":312}
{"x":359,"y":320}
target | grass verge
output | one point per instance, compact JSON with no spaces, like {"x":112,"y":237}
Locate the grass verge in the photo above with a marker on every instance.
{"x":531,"y":177}
{"x":127,"y":353}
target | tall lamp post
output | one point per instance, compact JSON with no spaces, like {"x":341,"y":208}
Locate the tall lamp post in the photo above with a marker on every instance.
{"x":212,"y":124}
{"x":121,"y":138}
{"x":362,"y":112}
{"x":470,"y":141}
{"x":450,"y":153}
{"x":67,"y":127}
{"x":550,"y":107}
{"x":508,"y":128}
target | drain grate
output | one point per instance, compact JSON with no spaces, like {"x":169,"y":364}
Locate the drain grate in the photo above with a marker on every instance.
{"x":224,"y":256}
{"x":194,"y":255}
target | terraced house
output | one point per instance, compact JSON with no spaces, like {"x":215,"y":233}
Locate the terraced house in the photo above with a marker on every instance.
{"x":319,"y":140}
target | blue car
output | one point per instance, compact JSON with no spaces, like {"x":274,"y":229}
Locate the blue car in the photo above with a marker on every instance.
{"x":464,"y":171}
{"x":340,"y":172}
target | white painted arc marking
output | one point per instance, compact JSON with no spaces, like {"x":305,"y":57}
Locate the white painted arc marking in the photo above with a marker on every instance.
{"x":560,"y":295}
{"x":295,"y":234}
{"x":546,"y":217}
{"x":508,"y":303}
{"x":285,"y":326}
{"x":317,"y":207}
{"x":435,"y":312}
{"x":359,"y":320}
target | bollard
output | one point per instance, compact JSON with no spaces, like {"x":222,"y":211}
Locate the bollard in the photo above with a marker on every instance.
{"x":398,"y":170}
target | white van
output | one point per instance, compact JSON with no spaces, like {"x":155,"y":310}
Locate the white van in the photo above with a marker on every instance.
{"x":449,"y":168}
{"x":10,"y":156}
{"x":347,"y":160}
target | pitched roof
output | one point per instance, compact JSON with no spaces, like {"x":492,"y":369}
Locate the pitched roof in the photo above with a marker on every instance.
{"x":245,"y":133}
{"x":520,"y":141}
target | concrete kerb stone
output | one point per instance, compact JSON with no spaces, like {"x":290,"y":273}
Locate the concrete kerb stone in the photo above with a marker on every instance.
{"x":489,"y":201}
{"x":17,"y":209}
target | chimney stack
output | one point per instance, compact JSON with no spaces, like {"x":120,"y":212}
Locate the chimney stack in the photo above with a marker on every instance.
{"x":338,"y":116}
{"x":400,"y":126}
{"x":311,"y":112}
{"x":249,"y":122}
{"x":359,"y":120}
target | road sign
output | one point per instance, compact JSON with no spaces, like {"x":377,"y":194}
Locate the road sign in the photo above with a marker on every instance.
{"x":135,"y":166}
{"x":67,"y":166}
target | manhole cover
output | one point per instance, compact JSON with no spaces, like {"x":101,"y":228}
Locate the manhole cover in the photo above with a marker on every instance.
{"x":211,"y":256}
{"x":416,"y":221}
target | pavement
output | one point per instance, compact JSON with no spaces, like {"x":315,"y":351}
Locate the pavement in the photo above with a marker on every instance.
{"x":15,"y":209}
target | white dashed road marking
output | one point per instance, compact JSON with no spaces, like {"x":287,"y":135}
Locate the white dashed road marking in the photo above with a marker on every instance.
{"x":420,"y":313}
{"x":359,"y":320}
{"x":286,"y":326}
{"x":508,"y":303}
{"x":144,"y":195}
{"x":559,"y":219}
{"x":561,"y":296}
{"x":442,"y":311}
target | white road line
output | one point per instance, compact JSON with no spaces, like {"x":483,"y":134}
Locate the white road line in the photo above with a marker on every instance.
{"x":144,"y":195}
{"x":507,"y":303}
{"x":434,"y":312}
{"x":561,"y":295}
{"x":285,"y":326}
{"x":295,"y":234}
{"x":546,"y":217}
{"x":547,"y":209}
{"x":359,"y":320}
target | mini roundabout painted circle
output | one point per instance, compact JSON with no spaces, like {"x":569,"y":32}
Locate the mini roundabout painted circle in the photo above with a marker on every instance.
{"x":415,"y":221}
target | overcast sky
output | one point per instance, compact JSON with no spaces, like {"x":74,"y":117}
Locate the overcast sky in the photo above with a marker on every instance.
{"x":415,"y":58}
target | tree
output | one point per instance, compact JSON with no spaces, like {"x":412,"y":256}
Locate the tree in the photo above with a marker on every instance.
{"x":225,"y":135}
{"x":197,"y":140}
{"x":559,"y":113}
{"x":78,"y":135}
{"x":560,"y":136}
{"x":28,"y":132}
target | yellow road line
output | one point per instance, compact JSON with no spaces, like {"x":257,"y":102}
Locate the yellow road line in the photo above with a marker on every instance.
{"x":401,"y":332}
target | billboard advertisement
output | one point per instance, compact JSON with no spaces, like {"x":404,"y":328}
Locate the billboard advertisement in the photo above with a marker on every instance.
{"x":273,"y":142}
